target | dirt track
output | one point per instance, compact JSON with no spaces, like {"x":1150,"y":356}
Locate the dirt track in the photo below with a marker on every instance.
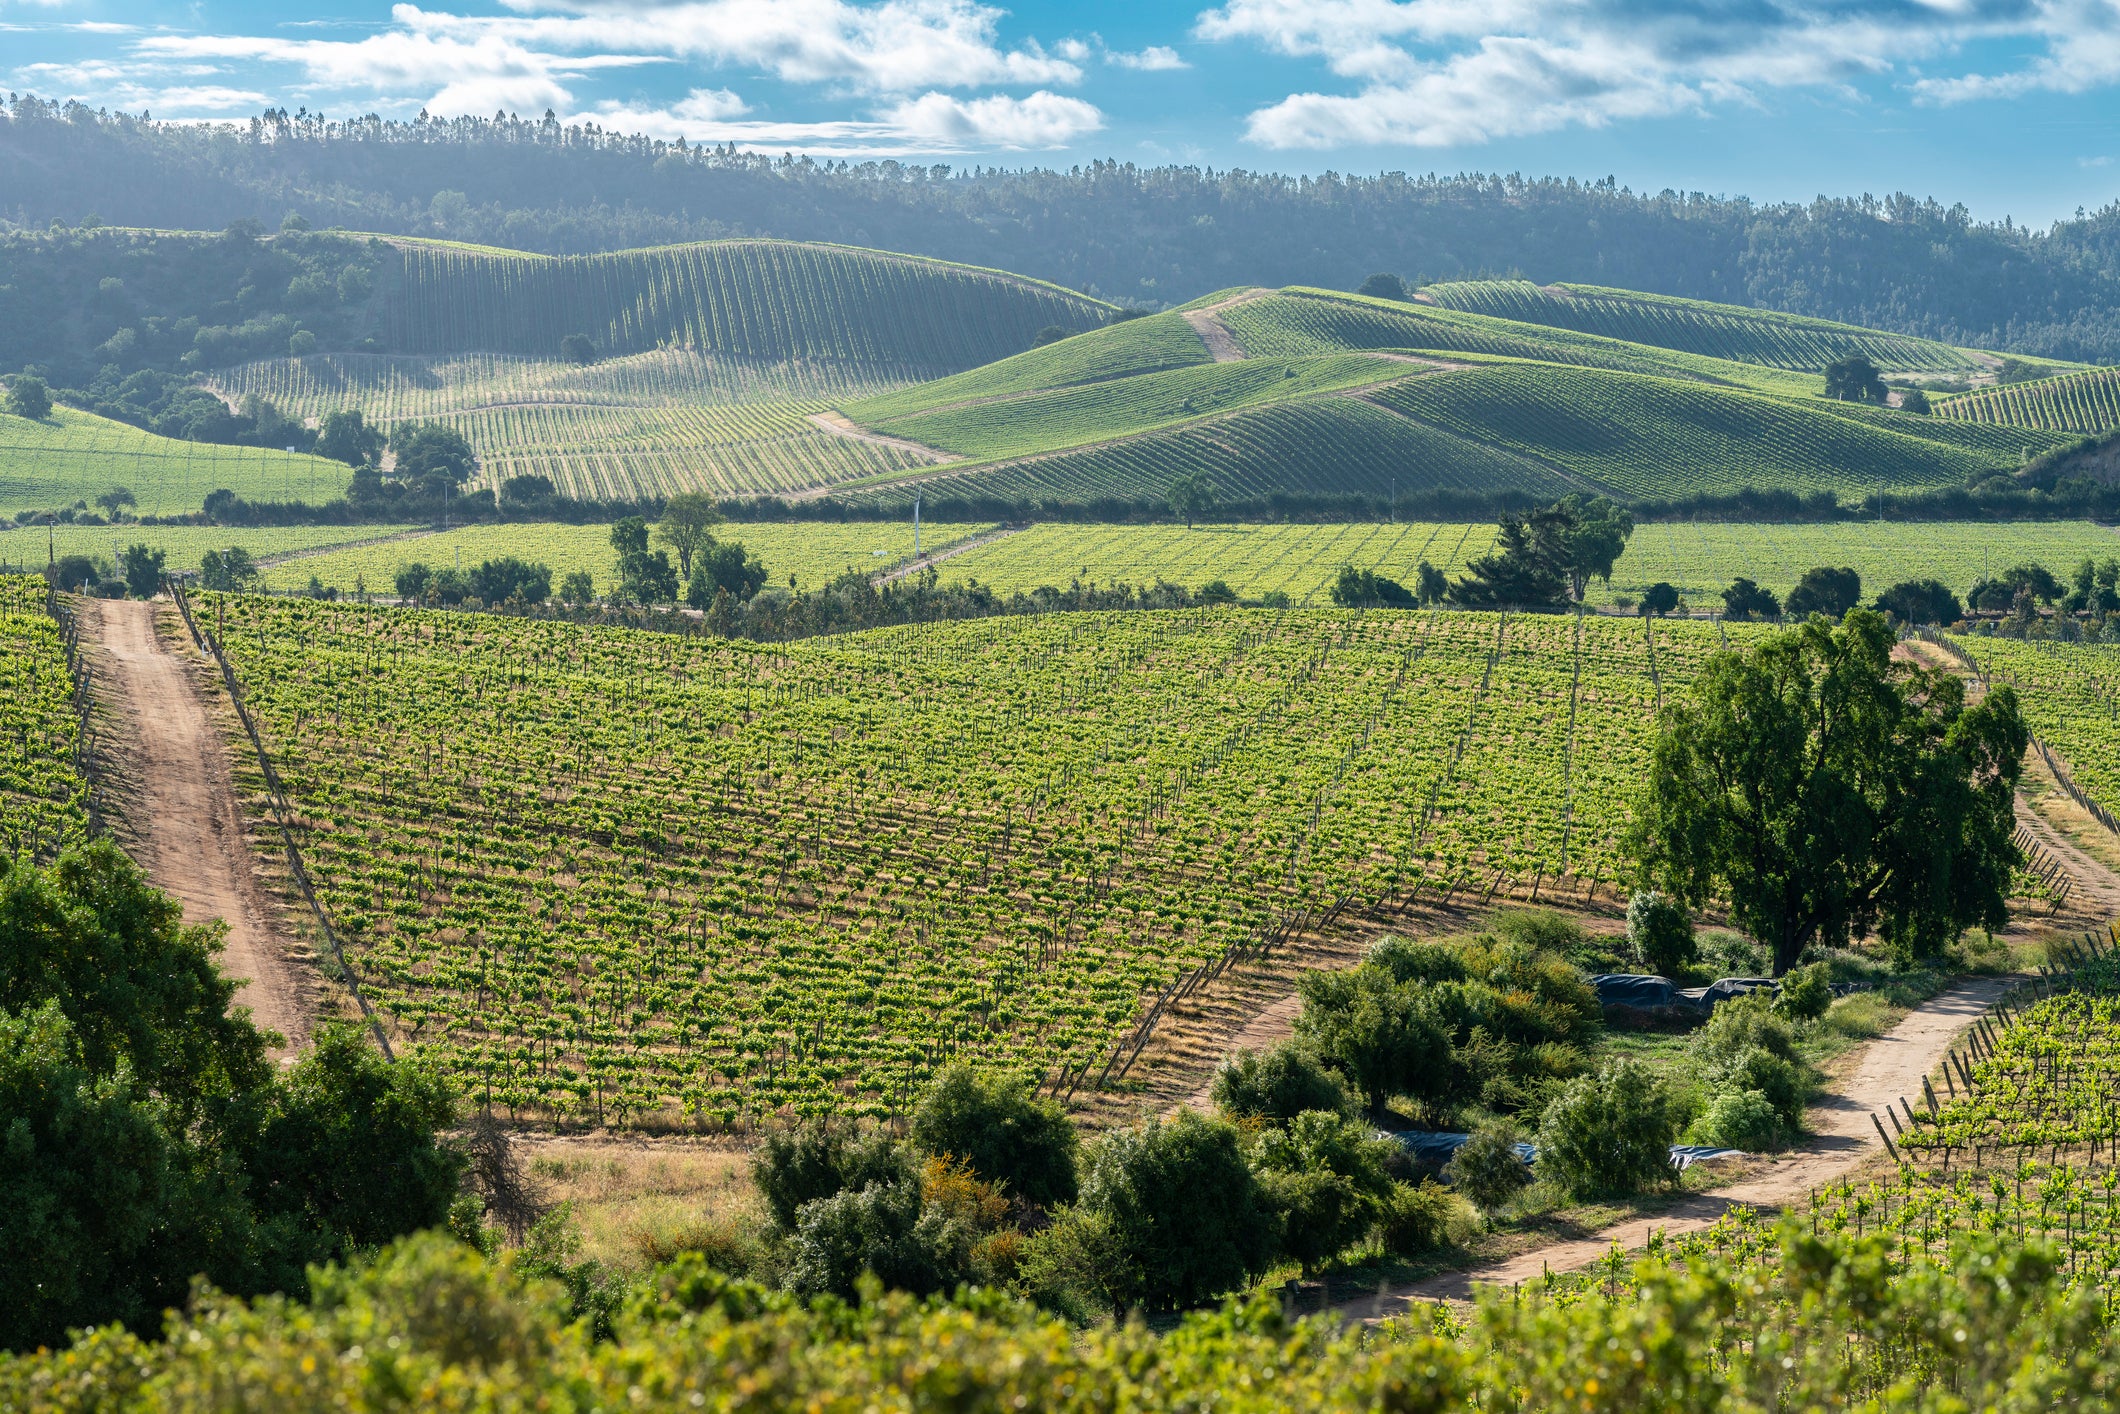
{"x":1842,"y":1135}
{"x":179,"y":811}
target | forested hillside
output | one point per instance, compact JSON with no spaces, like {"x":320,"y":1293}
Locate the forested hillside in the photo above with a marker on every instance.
{"x":1161,"y":235}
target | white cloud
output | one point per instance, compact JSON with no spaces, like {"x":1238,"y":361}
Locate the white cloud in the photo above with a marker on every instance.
{"x":1043,"y":120}
{"x":1435,"y":73}
{"x":1155,"y":57}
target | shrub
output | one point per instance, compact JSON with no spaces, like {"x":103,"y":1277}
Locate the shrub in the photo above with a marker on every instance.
{"x":578,"y":348}
{"x":1278,"y":1085}
{"x":817,"y":1159}
{"x":1183,"y":1207}
{"x":411,"y":580}
{"x":1827,"y":591}
{"x":1413,"y":1219}
{"x":142,"y":567}
{"x":1805,"y":993}
{"x":1746,"y":600}
{"x":1487,"y":1168}
{"x":577,"y":588}
{"x":1609,"y":1135}
{"x":1001,"y":1131}
{"x":1374,"y":1031}
{"x":879,"y":1229}
{"x":1662,"y":933}
{"x":1778,"y":1078}
{"x":1324,"y":1176}
{"x":1740,"y":1119}
{"x":75,"y":574}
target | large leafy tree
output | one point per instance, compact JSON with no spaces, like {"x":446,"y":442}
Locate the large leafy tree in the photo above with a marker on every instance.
{"x":1827,"y":790}
{"x":687,"y":526}
{"x":1548,"y":556}
{"x":1855,"y":379}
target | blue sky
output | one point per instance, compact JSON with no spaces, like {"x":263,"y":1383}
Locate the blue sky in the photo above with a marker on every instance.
{"x":2011,"y":106}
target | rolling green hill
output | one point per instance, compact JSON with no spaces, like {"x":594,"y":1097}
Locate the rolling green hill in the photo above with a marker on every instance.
{"x":1725,"y":331}
{"x":75,"y":456}
{"x":771,"y":301}
{"x":1457,"y":404}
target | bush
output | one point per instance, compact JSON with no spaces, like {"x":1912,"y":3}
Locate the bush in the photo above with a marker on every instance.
{"x":1323,"y":1176}
{"x":1760,"y":1071}
{"x":1740,"y":1024}
{"x":1179,"y":1201}
{"x":1827,"y":591}
{"x":1662,"y":933}
{"x":578,"y":348}
{"x":1740,"y":1119}
{"x":498,"y":581}
{"x":1745,"y":600}
{"x":1609,"y":1135}
{"x":1359,"y":589}
{"x":879,"y":1229}
{"x":1413,"y":1219}
{"x":1278,"y":1086}
{"x":818,"y":1159}
{"x":1805,"y":993}
{"x":75,"y":574}
{"x":1376,"y":1032}
{"x":577,"y":588}
{"x":994,"y":1125}
{"x":1487,"y":1168}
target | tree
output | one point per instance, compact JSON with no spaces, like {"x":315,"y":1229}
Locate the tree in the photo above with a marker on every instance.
{"x":1192,"y":496}
{"x":301,"y":343}
{"x":1429,"y":585}
{"x":28,"y":397}
{"x":411,"y":581}
{"x":1745,"y":600}
{"x":1373,"y":1030}
{"x":643,"y":578}
{"x":687,"y":526}
{"x":1050,"y":334}
{"x":1914,"y":400}
{"x":1826,"y":790}
{"x":1609,"y":1135}
{"x":1003,"y":1132}
{"x":1592,"y":537}
{"x":116,"y":501}
{"x":1531,"y":566}
{"x":2035,"y":581}
{"x":346,"y":437}
{"x":142,"y":567}
{"x":1662,"y":932}
{"x":498,"y":581}
{"x":1659,"y":599}
{"x":1855,"y":379}
{"x":578,"y":348}
{"x":1183,"y":1208}
{"x":1383,"y":286}
{"x":229,"y":571}
{"x":797,"y":1166}
{"x":433,"y":455}
{"x":577,"y":587}
{"x":75,"y":574}
{"x":1920,"y":601}
{"x":1825,"y":591}
{"x":2094,"y":588}
{"x":1361,"y":589}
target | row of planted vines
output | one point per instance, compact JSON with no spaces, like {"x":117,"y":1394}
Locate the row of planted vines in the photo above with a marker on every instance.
{"x":770,"y":300}
{"x":2078,"y":402}
{"x":1748,"y":336}
{"x":2071,"y":698}
{"x":43,"y":798}
{"x":2018,"y":1135}
{"x":623,"y":876}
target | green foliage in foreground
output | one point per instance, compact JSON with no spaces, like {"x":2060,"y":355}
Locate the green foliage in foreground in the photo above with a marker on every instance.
{"x":1838,"y":1322}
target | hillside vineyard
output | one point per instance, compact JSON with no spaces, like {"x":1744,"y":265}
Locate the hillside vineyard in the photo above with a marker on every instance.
{"x":618,"y":876}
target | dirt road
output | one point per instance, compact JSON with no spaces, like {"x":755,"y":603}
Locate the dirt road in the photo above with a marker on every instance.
{"x":1891,"y":1066}
{"x":179,"y":814}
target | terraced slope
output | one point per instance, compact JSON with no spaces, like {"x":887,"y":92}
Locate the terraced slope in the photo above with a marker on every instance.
{"x":76,"y":456}
{"x":1697,"y":326}
{"x":2080,"y":402}
{"x":771,"y":301}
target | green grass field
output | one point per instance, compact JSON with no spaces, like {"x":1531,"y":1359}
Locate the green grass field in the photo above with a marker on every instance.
{"x":1135,"y":346}
{"x":75,"y":456}
{"x":1700,"y":559}
{"x":815,"y":552}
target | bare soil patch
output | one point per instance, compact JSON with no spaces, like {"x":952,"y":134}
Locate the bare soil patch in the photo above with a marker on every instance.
{"x":176,"y":810}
